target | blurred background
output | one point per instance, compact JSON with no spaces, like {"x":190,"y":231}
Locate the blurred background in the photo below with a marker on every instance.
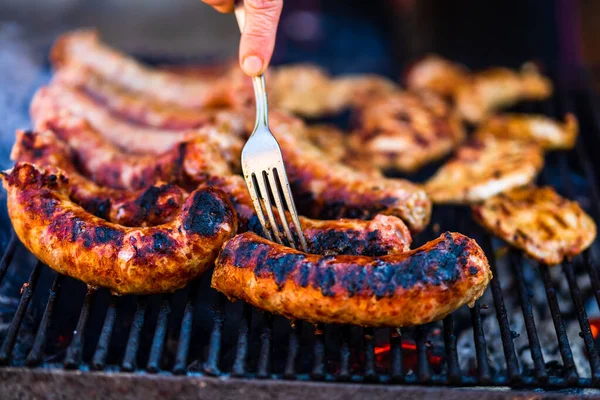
{"x":344,"y":36}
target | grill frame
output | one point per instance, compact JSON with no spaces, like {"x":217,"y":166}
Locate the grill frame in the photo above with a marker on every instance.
{"x":397,"y":383}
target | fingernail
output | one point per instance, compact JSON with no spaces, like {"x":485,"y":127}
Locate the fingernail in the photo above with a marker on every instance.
{"x":252,"y":65}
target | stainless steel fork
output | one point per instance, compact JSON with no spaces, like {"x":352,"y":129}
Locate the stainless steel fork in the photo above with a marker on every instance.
{"x":263,"y":168}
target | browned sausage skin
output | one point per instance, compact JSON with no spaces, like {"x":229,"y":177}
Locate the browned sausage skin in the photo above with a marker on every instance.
{"x":411,"y":288}
{"x":126,"y":260}
{"x":324,"y":190}
{"x":153,"y":205}
{"x":83,"y":48}
{"x":328,"y":190}
{"x":160,"y":203}
{"x":192,"y":160}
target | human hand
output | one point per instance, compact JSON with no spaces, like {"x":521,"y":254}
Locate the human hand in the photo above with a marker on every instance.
{"x":258,"y":36}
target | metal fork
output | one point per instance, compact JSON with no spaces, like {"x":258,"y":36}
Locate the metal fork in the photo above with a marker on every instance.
{"x":263,"y":168}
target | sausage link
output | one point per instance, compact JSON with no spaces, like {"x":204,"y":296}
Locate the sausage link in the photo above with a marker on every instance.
{"x":153,"y":205}
{"x":126,"y":260}
{"x":410,"y":288}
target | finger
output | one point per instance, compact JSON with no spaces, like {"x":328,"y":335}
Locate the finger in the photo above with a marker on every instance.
{"x":223,"y":6}
{"x":258,"y":38}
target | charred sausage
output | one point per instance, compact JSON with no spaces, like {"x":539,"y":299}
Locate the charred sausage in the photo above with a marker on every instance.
{"x":411,"y":288}
{"x":153,"y":205}
{"x":126,"y":260}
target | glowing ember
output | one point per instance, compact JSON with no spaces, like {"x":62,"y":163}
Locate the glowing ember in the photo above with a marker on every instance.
{"x":595,"y":326}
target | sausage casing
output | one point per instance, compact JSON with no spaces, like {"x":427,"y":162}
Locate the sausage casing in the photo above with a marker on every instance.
{"x":126,"y":260}
{"x":411,"y":288}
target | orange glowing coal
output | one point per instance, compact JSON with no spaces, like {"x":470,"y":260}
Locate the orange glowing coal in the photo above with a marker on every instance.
{"x":595,"y":326}
{"x":409,"y":354}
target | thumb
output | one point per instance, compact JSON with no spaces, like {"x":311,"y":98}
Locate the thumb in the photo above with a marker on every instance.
{"x":258,"y":37}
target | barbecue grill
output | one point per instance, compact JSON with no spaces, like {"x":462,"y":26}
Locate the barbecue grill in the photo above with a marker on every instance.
{"x":536,"y":328}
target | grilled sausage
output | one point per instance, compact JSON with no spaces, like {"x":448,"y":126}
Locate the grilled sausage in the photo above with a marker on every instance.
{"x":327,"y":190}
{"x":126,"y":260}
{"x":83,"y":47}
{"x":160,"y":203}
{"x":191,"y":160}
{"x":132,"y":106}
{"x":411,"y":288}
{"x":55,"y":99}
{"x":153,"y":205}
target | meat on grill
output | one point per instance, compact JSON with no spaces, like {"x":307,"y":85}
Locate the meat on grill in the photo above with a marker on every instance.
{"x":84,"y":48}
{"x":495,"y":88}
{"x":191,"y":160}
{"x":133,"y":106}
{"x":308,"y":91}
{"x":436,"y":74}
{"x":405,"y":131}
{"x":153,"y":205}
{"x":411,"y":288}
{"x":477,"y":95}
{"x":483,"y":168}
{"x":126,"y":260}
{"x":160,"y":203}
{"x":544,"y":131}
{"x":326,"y":190}
{"x":545,"y":225}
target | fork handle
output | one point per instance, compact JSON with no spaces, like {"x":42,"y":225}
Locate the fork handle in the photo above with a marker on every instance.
{"x":260,"y":86}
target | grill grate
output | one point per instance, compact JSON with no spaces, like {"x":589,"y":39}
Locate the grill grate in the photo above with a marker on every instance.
{"x":174,"y":334}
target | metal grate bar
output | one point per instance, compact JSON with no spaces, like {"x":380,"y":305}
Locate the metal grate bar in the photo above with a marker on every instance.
{"x":483,"y":365}
{"x":99,"y":358}
{"x":15,"y":324}
{"x":369,"y":351}
{"x":527,"y":309}
{"x":397,"y":372}
{"x":590,"y":177}
{"x":264,"y":355}
{"x":9,"y":253}
{"x":512,"y":365}
{"x":583,"y":320}
{"x":423,"y":367}
{"x":451,"y":352}
{"x":561,"y":333}
{"x":211,"y":366}
{"x":36,"y":354}
{"x":318,"y":369}
{"x":239,"y":365}
{"x":593,"y":272}
{"x":75,"y":351}
{"x":133,"y":342}
{"x":158,"y":341}
{"x":185,"y":330}
{"x":344,"y":372}
{"x":293,"y":347}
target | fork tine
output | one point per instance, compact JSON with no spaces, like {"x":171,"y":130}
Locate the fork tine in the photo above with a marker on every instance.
{"x":273,"y":181}
{"x":252,"y":188}
{"x":262,"y":184}
{"x":287,"y":193}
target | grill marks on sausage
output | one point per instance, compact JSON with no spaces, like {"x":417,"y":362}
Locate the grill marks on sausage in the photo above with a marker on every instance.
{"x":355,"y":275}
{"x":69,"y":228}
{"x":206,"y":214}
